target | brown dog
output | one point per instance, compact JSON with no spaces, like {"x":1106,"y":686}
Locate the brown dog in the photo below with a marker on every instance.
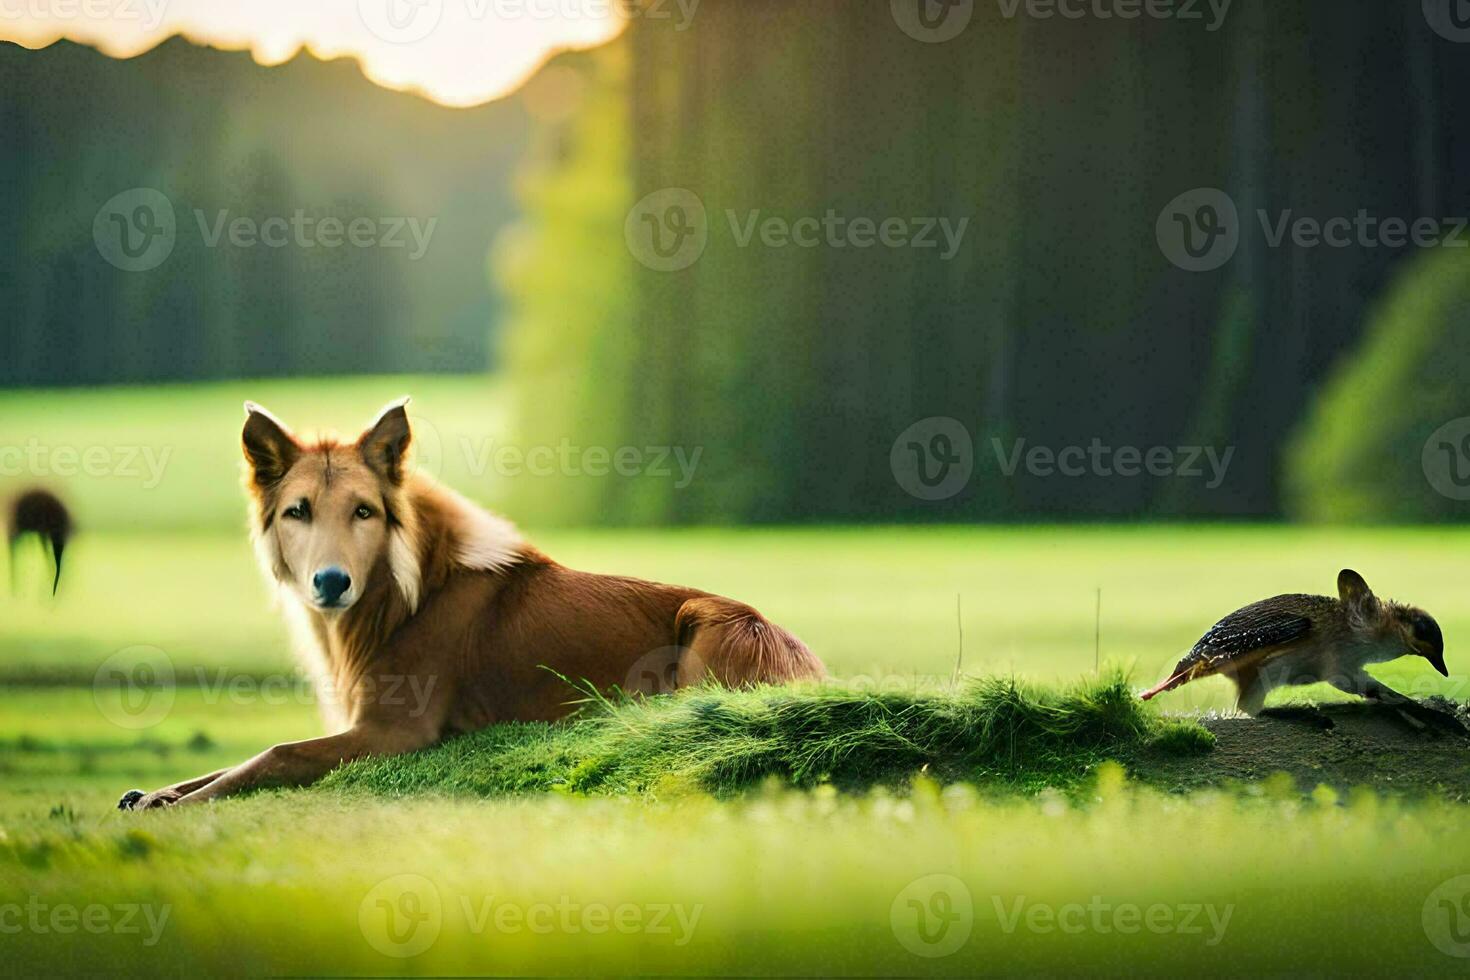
{"x":426,"y":616}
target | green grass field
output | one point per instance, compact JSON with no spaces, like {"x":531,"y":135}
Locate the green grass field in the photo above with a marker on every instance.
{"x":375,"y":874}
{"x":877,"y":604}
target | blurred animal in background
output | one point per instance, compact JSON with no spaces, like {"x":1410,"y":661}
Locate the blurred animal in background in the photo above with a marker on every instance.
{"x":41,"y":513}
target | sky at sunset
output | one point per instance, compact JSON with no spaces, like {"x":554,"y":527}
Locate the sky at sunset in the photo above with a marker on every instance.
{"x":458,"y":52}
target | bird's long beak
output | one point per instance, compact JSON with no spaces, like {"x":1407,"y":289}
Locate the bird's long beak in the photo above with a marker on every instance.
{"x":1437,"y":661}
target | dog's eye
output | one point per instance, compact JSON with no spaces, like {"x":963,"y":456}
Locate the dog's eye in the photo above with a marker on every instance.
{"x":363,"y":512}
{"x":298,"y":512}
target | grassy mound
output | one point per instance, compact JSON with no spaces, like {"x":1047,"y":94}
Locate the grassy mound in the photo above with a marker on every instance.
{"x":723,"y":742}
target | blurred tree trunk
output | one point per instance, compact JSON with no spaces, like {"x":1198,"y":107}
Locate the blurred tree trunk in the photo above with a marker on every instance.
{"x":1059,"y":321}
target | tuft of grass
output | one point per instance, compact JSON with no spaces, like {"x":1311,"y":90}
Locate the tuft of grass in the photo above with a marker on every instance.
{"x":1181,"y":737}
{"x":723,"y":742}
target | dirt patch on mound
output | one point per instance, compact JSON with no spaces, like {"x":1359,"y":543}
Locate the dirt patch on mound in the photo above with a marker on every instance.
{"x":1365,"y":745}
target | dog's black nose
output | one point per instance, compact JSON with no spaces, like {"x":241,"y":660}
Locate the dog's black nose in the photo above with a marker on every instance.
{"x":330,"y":584}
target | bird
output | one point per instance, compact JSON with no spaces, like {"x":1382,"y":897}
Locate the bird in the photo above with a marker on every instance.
{"x":1305,"y":639}
{"x":41,"y":513}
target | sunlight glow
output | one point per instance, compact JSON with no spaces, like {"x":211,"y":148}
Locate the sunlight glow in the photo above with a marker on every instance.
{"x":456,"y":52}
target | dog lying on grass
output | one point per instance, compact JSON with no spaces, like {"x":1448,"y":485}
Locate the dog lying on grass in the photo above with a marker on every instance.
{"x":424,"y":616}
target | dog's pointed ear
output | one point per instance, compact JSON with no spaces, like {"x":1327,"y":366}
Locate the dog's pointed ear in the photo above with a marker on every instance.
{"x":384,"y":446}
{"x":1353,"y":591}
{"x":270,"y":449}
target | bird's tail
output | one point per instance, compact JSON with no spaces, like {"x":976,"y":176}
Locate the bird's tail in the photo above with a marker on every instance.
{"x":1167,"y":685}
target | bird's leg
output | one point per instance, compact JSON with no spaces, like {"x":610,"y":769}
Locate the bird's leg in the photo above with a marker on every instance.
{"x":1385,"y":695}
{"x":1417,"y":715}
{"x":1363,"y":684}
{"x":1267,"y":678}
{"x":1422,"y":716}
{"x":1250,"y":692}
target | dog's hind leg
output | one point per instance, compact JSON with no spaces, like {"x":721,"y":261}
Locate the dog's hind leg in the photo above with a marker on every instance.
{"x":730,"y":643}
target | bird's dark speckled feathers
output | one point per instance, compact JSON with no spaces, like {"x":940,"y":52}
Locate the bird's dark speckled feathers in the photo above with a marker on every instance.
{"x":1253,"y":628}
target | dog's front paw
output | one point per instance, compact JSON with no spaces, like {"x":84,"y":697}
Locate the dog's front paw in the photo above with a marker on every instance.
{"x":159,"y":798}
{"x":136,"y":799}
